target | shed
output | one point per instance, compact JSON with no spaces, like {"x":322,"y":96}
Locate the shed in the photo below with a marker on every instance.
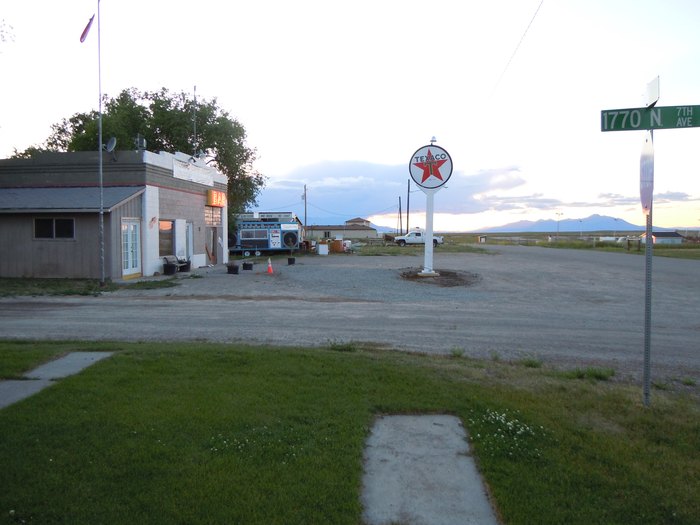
{"x":151,"y":204}
{"x":664,"y":238}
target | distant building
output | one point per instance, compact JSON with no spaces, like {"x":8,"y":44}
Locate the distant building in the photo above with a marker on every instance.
{"x":153,"y":205}
{"x":356,"y":228}
{"x":663,"y":238}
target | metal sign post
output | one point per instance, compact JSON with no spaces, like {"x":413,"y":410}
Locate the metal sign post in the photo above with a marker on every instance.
{"x":430,"y":168}
{"x":649,"y":118}
{"x":646,"y":190}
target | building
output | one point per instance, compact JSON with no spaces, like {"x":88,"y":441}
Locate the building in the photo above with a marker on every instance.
{"x":357,"y":228}
{"x":152,"y":204}
{"x":663,"y":238}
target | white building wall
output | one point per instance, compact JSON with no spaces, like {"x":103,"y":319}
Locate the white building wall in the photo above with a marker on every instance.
{"x":151,"y":262}
{"x":180,"y":238}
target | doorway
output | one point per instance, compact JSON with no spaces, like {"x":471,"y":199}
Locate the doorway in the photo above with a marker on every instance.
{"x":131,"y":247}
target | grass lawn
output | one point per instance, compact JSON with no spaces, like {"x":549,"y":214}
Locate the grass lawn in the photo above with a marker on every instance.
{"x":11,"y":286}
{"x":205,"y":433}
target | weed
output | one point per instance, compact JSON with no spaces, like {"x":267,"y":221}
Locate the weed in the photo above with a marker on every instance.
{"x":457,"y":352}
{"x":342,"y":346}
{"x":591,"y":373}
{"x":503,"y":433}
{"x":531,"y":362}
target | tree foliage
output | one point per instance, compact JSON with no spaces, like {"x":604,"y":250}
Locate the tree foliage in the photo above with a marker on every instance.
{"x":167,"y":121}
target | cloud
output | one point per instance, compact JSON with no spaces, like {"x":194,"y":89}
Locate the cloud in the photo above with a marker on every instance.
{"x":339,"y":190}
{"x":674,"y":196}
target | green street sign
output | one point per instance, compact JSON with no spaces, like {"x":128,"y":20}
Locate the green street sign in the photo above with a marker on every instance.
{"x":668,"y":117}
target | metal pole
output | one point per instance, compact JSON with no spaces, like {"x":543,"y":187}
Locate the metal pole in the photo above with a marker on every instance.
{"x":648,"y":253}
{"x":647,"y":312}
{"x":428,"y":259}
{"x":194,"y":123}
{"x":400,"y":218}
{"x":408,"y":203}
{"x":99,"y":150}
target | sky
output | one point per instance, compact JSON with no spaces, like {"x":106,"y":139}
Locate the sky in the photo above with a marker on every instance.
{"x":337,"y":96}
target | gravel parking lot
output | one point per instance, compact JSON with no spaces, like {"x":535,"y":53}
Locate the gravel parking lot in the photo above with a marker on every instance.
{"x":568,"y":307}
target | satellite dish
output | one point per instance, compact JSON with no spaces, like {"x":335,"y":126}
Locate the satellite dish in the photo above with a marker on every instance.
{"x":111,"y":144}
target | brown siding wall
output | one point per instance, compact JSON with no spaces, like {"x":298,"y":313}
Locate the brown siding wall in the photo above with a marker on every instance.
{"x":132,"y":209}
{"x":28,"y":257}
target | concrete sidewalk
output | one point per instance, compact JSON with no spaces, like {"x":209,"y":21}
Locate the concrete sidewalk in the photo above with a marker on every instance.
{"x":418,"y":470}
{"x":45,"y":375}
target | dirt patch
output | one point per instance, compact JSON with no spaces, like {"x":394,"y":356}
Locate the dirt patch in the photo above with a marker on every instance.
{"x":445,"y":278}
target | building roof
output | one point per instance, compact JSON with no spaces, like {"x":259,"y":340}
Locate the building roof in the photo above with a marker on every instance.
{"x":345,"y":227}
{"x":83,"y":200}
{"x":666,"y":235}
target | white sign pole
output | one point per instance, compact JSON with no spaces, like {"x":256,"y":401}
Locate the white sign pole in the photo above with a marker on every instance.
{"x":428,"y":257}
{"x":430,"y":168}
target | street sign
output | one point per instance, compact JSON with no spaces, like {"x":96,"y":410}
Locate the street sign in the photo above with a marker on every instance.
{"x":430,"y":168}
{"x":667,"y":117}
{"x":653,"y":92}
{"x":646,"y":174}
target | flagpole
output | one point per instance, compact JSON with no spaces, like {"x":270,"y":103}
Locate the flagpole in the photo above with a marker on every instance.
{"x":99,"y":151}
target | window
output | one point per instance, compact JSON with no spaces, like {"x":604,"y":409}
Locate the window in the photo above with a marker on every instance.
{"x":166,"y":231}
{"x":254,"y":234}
{"x":326,"y":235}
{"x":54,"y":228}
{"x":212,"y":216}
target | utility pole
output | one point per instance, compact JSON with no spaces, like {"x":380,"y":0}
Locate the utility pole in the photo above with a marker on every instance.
{"x":408,"y":203}
{"x":194,"y":124}
{"x":400,"y":218}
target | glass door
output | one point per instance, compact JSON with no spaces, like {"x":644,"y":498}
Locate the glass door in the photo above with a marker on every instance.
{"x":131,"y":247}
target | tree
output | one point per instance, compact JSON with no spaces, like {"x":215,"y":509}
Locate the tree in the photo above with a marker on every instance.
{"x":167,"y":121}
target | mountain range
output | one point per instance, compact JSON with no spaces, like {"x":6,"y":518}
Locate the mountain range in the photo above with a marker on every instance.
{"x":593,"y":223}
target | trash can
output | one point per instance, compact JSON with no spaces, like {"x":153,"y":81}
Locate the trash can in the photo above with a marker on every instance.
{"x":232,"y":269}
{"x":290,"y":260}
{"x":169,"y":269}
{"x":247,"y":265}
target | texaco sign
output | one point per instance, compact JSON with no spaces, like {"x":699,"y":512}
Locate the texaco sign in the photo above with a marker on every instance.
{"x":430,"y":167}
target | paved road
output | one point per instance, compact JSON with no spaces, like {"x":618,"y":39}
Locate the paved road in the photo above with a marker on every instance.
{"x":561,"y":306}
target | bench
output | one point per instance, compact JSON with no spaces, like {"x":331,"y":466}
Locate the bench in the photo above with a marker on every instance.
{"x":172,"y":265}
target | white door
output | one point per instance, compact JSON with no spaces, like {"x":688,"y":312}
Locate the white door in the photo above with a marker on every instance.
{"x":131,"y":247}
{"x":190,"y":240}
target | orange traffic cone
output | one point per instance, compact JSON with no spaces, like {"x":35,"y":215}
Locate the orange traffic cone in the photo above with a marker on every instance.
{"x":269,"y":266}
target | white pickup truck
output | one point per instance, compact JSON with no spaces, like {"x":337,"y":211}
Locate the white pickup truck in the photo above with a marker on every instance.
{"x":417,"y":237}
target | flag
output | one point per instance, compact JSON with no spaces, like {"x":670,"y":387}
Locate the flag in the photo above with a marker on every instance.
{"x":85,"y":32}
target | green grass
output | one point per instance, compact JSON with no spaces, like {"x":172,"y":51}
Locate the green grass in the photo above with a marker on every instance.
{"x":683,"y":251}
{"x":205,"y":433}
{"x":13,"y":287}
{"x":573,"y":241}
{"x":591,"y":373}
{"x":454,"y":243}
{"x":16,"y":358}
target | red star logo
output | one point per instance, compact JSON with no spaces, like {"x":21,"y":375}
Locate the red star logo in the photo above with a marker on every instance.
{"x":431,"y":167}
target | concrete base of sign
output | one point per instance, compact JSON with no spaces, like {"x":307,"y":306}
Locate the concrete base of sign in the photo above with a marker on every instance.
{"x":428,"y":273}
